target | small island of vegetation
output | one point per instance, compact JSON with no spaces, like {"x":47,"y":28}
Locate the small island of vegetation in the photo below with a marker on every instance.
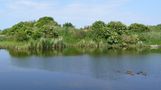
{"x":47,"y":34}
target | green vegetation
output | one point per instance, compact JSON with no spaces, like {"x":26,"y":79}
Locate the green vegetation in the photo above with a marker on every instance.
{"x":47,"y":34}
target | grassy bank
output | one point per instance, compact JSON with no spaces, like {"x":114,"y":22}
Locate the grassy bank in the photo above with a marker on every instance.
{"x":49,"y":44}
{"x":47,"y":34}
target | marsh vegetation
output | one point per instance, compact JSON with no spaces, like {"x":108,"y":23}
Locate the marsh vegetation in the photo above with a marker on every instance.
{"x":46,"y":33}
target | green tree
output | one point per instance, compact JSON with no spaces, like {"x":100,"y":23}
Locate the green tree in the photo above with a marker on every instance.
{"x":68,"y":25}
{"x":22,"y":30}
{"x":138,"y":27}
{"x":46,"y":21}
{"x":21,"y":36}
{"x":37,"y":35}
{"x":22,"y":26}
{"x":48,"y":27}
{"x":98,"y":28}
{"x":100,"y":31}
{"x":119,"y":27}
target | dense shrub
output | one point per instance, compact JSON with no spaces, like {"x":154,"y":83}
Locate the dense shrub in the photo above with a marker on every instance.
{"x":130,"y":39}
{"x":97,"y":30}
{"x":68,"y":25}
{"x":21,"y":36}
{"x":46,"y":21}
{"x":117,"y":25}
{"x":138,"y":27}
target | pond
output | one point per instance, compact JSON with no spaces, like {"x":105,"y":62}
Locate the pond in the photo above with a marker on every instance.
{"x":81,"y":69}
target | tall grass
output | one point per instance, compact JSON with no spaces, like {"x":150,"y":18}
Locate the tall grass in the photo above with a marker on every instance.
{"x":46,"y":44}
{"x":84,"y":43}
{"x":13,"y":45}
{"x":154,"y":38}
{"x":151,"y":38}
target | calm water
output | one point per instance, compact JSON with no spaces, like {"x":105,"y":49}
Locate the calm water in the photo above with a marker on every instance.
{"x":80,"y":70}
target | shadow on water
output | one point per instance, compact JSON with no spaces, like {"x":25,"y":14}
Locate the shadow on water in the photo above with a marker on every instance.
{"x":82,"y":51}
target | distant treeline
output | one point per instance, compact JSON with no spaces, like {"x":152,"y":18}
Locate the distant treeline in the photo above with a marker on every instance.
{"x":46,"y":33}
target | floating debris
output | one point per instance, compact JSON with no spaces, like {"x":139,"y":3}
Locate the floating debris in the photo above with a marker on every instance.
{"x":141,"y":73}
{"x":130,"y":73}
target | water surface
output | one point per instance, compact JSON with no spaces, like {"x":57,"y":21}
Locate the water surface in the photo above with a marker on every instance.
{"x":80,"y":70}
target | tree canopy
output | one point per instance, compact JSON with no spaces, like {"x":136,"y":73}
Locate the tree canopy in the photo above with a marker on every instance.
{"x":138,"y":27}
{"x":117,"y":26}
{"x":46,"y":21}
{"x":68,"y":25}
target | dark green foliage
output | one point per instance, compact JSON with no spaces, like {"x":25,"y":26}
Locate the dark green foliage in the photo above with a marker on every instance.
{"x":47,"y":28}
{"x":22,"y":26}
{"x":46,"y":21}
{"x":21,"y":31}
{"x":21,"y":36}
{"x":113,"y":38}
{"x":138,"y":27}
{"x":119,"y":27}
{"x":68,"y":25}
{"x":37,"y":34}
{"x":101,"y":31}
{"x":97,"y":30}
{"x":98,"y":26}
{"x":50,"y":32}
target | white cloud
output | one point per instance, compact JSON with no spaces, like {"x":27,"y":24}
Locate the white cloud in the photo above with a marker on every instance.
{"x":73,"y":9}
{"x":88,"y":13}
{"x":28,"y":4}
{"x":79,"y":12}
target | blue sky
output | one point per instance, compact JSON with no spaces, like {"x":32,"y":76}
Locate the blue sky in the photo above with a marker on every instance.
{"x":80,"y":12}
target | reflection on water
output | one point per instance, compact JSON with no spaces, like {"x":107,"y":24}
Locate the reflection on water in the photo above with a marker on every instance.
{"x":83,"y":51}
{"x":119,"y":68}
{"x":97,"y":63}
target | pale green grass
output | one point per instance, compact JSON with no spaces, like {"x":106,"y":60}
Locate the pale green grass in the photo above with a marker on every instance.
{"x":13,"y":45}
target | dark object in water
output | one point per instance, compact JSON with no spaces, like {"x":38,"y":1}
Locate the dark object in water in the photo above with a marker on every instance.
{"x":141,"y":73}
{"x":130,"y":73}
